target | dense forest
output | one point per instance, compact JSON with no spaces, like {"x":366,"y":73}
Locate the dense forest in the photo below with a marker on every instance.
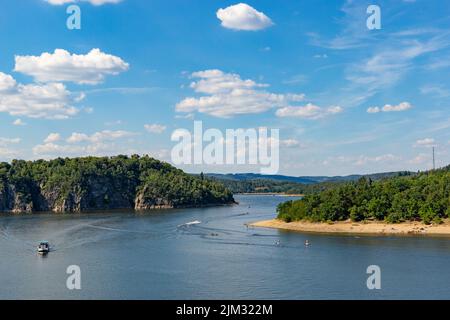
{"x":92,"y":183}
{"x":273,"y":186}
{"x":424,"y":196}
{"x":251,"y":183}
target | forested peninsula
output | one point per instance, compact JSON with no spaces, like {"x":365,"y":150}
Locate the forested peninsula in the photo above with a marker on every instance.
{"x":422,"y":197}
{"x":101,"y":183}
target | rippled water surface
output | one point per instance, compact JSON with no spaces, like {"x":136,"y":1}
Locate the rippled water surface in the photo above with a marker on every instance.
{"x":210,"y":254}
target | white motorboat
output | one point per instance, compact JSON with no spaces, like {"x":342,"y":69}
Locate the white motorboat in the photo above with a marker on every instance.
{"x":43,"y":247}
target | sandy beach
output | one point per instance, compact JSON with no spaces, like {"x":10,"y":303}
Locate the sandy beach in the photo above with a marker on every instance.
{"x":349,"y":227}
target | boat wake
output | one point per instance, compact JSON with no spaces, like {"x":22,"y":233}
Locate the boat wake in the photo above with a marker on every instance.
{"x":187,"y":224}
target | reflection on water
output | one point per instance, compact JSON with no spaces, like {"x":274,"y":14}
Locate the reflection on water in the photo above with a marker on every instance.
{"x":210,"y":253}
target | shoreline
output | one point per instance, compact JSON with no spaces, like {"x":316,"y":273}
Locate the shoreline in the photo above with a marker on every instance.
{"x":357,"y":228}
{"x":118,"y":210}
{"x":269,"y":194}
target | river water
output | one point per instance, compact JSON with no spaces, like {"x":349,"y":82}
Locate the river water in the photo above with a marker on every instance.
{"x":209,"y":253}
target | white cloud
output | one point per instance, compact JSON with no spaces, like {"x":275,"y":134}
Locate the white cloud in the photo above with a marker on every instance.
{"x":243,"y":17}
{"x":19,"y":122}
{"x":6,"y":153}
{"x":420,"y":159}
{"x":81,"y":144}
{"x":391,"y":62}
{"x":394,"y":55}
{"x":122,"y":90}
{"x":438,"y":63}
{"x":363,"y":160}
{"x":50,"y":101}
{"x":49,"y":149}
{"x":216,"y":81}
{"x":427,"y":143}
{"x":400,"y":107}
{"x":309,"y":111}
{"x":161,"y":154}
{"x":189,"y":116}
{"x":391,"y":108}
{"x":155,"y":128}
{"x":88,"y":110}
{"x":78,"y":137}
{"x":290,"y":143}
{"x":114,"y":123}
{"x":62,"y":66}
{"x":435,"y":91}
{"x":52,"y":137}
{"x":228,"y":95}
{"x":105,"y":135}
{"x":296,"y":79}
{"x":93,"y":2}
{"x":373,"y":110}
{"x":7,"y":141}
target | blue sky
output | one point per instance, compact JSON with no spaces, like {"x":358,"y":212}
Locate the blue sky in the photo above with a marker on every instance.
{"x":345,"y":98}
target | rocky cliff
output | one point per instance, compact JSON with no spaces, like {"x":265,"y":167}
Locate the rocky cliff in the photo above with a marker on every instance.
{"x":83,"y":184}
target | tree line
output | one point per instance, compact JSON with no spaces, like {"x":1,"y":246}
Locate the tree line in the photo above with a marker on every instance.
{"x":421,"y":197}
{"x":119,"y":177}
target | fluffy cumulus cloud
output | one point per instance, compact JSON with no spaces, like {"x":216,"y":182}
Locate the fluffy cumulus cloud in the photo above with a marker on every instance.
{"x":94,"y":2}
{"x":243,"y":17}
{"x":52,"y":137}
{"x":80,"y":144}
{"x":48,"y":97}
{"x":50,"y":101}
{"x":391,"y":108}
{"x":19,"y":122}
{"x":227,"y":95}
{"x":309,"y":111}
{"x":62,"y":66}
{"x":155,"y":128}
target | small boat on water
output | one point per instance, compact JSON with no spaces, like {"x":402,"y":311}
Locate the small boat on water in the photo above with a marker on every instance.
{"x":43,"y":247}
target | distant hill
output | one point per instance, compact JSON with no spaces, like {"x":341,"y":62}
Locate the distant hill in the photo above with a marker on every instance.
{"x":258,"y":183}
{"x":304,"y":179}
{"x":254,"y":176}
